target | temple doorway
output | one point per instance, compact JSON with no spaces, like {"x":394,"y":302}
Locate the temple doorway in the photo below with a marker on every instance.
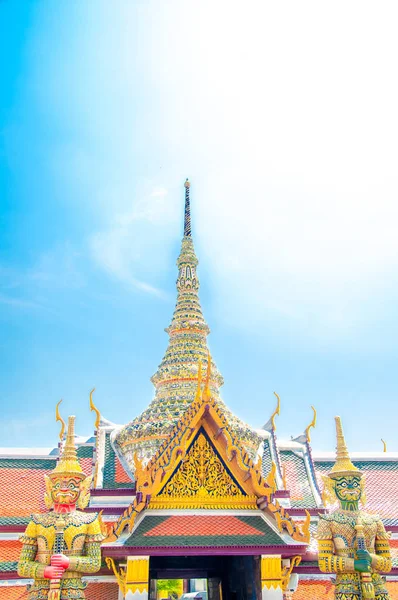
{"x":204,"y":578}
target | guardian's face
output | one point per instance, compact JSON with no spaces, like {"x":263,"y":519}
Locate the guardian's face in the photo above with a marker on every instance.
{"x":65,"y":490}
{"x":348,"y":489}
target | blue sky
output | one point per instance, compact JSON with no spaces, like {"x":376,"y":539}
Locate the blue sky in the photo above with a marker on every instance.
{"x":284,"y":118}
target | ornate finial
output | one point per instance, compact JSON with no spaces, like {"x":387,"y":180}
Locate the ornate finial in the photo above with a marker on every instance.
{"x":60,"y":419}
{"x":95,"y":409}
{"x":199,"y":389}
{"x":384,"y":446}
{"x":312,"y":424}
{"x":68,"y":463}
{"x":207,"y":381}
{"x":343,"y":465}
{"x":187,"y":212}
{"x":277,"y":411}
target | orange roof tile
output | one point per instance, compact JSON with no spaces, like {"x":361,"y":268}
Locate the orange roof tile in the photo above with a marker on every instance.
{"x":10,"y":550}
{"x":23,"y":485}
{"x":196,"y":525}
{"x":394,"y":548}
{"x":22,"y":491}
{"x":381,"y":492}
{"x":392,"y":587}
{"x":314,"y":590}
{"x":94,"y":591}
{"x":120,"y":474}
{"x":102,"y":591}
{"x":17,"y":592}
{"x":293,"y":480}
{"x":87,"y":465}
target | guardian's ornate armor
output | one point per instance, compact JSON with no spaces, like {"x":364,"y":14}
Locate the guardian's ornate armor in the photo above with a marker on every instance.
{"x":62,"y":545}
{"x":351,"y":543}
{"x":337,"y":552}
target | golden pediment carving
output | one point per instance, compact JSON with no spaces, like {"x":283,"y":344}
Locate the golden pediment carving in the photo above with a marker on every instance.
{"x":202,"y":477}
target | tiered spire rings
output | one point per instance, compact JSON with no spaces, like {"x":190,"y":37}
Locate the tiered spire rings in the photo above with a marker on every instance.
{"x":343,"y":465}
{"x":176,"y":379}
{"x":68,"y":464}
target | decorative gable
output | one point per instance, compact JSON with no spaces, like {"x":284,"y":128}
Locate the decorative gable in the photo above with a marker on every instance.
{"x":202,"y":480}
{"x":202,"y":464}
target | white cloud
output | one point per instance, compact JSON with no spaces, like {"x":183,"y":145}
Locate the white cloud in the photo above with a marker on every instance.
{"x":133,"y":241}
{"x":284,"y":115}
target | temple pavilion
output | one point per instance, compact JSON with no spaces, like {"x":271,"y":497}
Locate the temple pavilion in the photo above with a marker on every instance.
{"x":191,"y":494}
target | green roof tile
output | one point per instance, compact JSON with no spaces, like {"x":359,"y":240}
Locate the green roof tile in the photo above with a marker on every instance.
{"x":142,"y":536}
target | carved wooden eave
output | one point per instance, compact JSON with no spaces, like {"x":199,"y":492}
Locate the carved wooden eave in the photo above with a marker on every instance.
{"x":204,"y":425}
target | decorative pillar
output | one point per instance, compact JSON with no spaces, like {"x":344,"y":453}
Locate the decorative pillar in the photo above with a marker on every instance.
{"x":271,"y":577}
{"x":137,"y":578}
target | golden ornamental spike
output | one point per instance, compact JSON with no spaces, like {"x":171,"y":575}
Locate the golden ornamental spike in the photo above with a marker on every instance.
{"x":277,"y":411}
{"x":208,"y":372}
{"x":199,"y":388}
{"x":384,"y":445}
{"x":95,"y":409}
{"x":343,"y":465}
{"x":312,"y":424}
{"x":60,"y":419}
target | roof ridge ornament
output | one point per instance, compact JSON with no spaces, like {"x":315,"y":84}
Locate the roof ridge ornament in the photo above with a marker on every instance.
{"x":270,"y":424}
{"x":95,"y":409}
{"x":60,"y":419}
{"x":311,"y":425}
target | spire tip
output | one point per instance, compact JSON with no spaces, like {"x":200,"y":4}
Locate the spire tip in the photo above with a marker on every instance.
{"x":187,"y":211}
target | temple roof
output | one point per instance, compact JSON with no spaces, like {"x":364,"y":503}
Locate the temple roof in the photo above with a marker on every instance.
{"x":205,"y":530}
{"x":176,"y":379}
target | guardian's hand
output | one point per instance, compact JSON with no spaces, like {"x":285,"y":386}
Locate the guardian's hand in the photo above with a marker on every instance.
{"x":362,"y":565}
{"x":60,"y":560}
{"x":51,"y":572}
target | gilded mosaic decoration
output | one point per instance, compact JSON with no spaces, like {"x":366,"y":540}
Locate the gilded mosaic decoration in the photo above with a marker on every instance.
{"x":202,"y":473}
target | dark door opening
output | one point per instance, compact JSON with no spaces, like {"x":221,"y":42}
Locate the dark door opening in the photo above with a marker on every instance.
{"x":217,"y":577}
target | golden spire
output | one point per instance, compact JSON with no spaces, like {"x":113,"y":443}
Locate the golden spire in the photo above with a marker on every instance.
{"x":343,"y":465}
{"x":68,"y":463}
{"x":95,"y":409}
{"x":384,"y":446}
{"x":312,"y":424}
{"x":277,"y":411}
{"x":60,"y":419}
